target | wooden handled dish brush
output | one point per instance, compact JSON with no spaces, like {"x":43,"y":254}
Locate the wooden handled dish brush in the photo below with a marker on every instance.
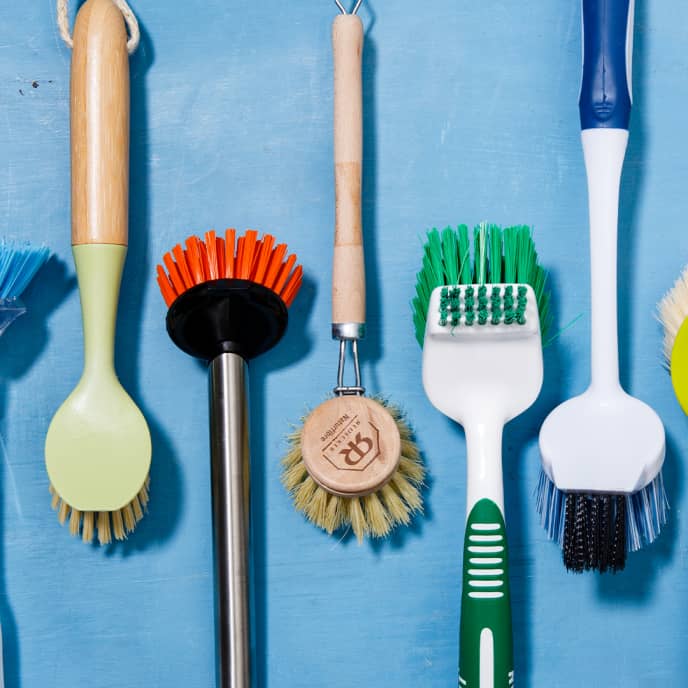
{"x":98,"y":446}
{"x":354,"y":463}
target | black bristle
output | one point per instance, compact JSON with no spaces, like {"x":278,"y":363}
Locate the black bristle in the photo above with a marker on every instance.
{"x":569,"y":524}
{"x":605,"y":531}
{"x":579,"y":556}
{"x":619,"y":546}
{"x":595,"y":532}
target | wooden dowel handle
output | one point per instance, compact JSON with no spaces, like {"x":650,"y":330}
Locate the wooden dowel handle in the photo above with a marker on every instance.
{"x":100,"y":125}
{"x":348,"y":276}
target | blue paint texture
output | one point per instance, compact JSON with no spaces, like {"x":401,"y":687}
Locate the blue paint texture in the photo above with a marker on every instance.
{"x":470,"y":114}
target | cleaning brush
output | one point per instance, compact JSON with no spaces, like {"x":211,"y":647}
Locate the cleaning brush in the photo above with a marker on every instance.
{"x":19,"y":262}
{"x":480,"y":324}
{"x":601,"y":492}
{"x":98,"y":446}
{"x":227,"y":301}
{"x":354,"y":462}
{"x":673,"y":314}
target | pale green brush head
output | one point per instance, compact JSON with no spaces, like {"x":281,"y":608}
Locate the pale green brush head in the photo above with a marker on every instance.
{"x":499,"y":256}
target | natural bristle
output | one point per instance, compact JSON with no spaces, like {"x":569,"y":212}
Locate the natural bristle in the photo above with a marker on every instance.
{"x":374,"y":515}
{"x":672,"y":312}
{"x":101,"y":524}
{"x":248,"y":258}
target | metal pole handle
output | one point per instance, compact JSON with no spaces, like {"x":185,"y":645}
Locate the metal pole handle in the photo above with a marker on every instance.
{"x":229,"y":455}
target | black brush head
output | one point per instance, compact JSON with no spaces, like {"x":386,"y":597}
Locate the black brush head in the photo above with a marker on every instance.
{"x":227,"y":316}
{"x":595,"y":532}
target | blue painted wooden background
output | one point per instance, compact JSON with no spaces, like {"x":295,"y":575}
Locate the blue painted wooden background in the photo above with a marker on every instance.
{"x":471,"y":114}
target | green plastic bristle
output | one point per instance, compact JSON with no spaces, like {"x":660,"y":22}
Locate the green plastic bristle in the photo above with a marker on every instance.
{"x":499,"y":256}
{"x":464,"y":255}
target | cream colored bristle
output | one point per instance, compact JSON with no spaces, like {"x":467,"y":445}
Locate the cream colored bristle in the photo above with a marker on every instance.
{"x":118,"y":525}
{"x":104,"y":534}
{"x":63,"y":512}
{"x":75,"y":522}
{"x":87,"y":527}
{"x":373,"y":515}
{"x":672,"y":311}
{"x":376,"y":515}
{"x":357,"y":518}
{"x":55,"y":499}
{"x":129,"y":519}
{"x":138,"y":511}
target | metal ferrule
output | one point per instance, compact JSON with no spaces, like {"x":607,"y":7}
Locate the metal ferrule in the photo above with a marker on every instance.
{"x":348,"y":331}
{"x":229,"y":456}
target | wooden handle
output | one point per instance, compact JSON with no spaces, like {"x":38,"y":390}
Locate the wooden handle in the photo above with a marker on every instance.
{"x":348,"y":275}
{"x":100,"y":125}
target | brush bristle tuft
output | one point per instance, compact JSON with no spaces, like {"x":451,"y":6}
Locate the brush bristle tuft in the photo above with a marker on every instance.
{"x":105,"y":525}
{"x":374,"y":515}
{"x":596,"y":531}
{"x":248,"y":258}
{"x":672,"y":311}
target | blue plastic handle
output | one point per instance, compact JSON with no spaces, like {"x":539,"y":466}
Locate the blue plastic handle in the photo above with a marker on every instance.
{"x":605,"y":98}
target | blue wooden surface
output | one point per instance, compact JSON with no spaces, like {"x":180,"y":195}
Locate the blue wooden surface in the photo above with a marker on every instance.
{"x":471,"y":114}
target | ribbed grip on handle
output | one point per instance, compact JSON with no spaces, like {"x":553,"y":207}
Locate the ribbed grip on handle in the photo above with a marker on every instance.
{"x":348,"y":276}
{"x":605,"y":97}
{"x":486,"y":655}
{"x":100,"y":125}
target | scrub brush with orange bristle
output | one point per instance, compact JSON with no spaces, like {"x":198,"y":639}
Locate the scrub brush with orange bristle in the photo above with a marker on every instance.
{"x":228,"y":300}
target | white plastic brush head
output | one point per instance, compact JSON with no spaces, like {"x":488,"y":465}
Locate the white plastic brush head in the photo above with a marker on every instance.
{"x":482,"y":349}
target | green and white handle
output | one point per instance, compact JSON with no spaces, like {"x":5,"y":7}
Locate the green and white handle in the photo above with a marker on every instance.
{"x":486,"y":658}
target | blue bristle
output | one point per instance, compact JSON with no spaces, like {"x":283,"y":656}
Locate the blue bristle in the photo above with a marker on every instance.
{"x":19,"y":262}
{"x":646,"y":512}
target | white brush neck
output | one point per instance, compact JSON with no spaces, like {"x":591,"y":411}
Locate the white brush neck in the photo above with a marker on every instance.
{"x":604,"y":151}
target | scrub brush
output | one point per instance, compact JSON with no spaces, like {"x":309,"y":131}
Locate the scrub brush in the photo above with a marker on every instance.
{"x":479,"y":323}
{"x":601,"y":492}
{"x":354,"y":463}
{"x":673,"y":314}
{"x":227,"y":301}
{"x":98,"y":446}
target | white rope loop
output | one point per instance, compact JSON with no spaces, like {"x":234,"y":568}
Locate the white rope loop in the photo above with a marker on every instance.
{"x":129,"y":18}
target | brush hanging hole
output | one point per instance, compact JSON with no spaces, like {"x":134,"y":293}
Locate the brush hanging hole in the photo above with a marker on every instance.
{"x":122,"y":5}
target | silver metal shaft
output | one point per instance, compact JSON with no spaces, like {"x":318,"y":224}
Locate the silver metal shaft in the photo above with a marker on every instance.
{"x":229,"y":456}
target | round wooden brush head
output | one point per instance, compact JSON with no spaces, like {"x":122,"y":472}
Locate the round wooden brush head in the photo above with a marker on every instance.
{"x":228,"y":295}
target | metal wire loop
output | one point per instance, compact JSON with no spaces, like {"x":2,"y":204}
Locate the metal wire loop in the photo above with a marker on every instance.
{"x":341,"y":389}
{"x":342,"y":9}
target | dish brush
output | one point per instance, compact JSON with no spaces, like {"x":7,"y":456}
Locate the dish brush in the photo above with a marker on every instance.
{"x":479,"y":325}
{"x":601,"y":492}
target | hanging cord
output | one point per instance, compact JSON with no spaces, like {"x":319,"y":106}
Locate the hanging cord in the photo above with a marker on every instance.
{"x":129,"y":18}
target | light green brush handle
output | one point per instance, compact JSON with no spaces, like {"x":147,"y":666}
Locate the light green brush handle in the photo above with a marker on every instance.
{"x":486,"y":658}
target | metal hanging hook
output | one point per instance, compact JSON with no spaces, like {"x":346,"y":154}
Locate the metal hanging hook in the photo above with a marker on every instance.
{"x":342,"y":9}
{"x":341,"y":389}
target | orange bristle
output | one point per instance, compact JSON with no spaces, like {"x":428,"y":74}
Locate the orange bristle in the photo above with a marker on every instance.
{"x":289,"y":292}
{"x":211,"y":255}
{"x":262,"y":259}
{"x":275,"y":264}
{"x":173,"y":272}
{"x":220,"y":251}
{"x":247,"y":258}
{"x":230,"y":241}
{"x":166,"y":288}
{"x":283,"y":274}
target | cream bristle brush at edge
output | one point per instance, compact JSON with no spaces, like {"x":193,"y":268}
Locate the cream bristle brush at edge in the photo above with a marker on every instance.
{"x":98,"y":446}
{"x":601,"y":492}
{"x":673,"y":314}
{"x":354,"y":463}
{"x":480,"y":324}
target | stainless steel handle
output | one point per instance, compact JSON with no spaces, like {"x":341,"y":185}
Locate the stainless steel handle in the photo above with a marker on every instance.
{"x":229,"y":456}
